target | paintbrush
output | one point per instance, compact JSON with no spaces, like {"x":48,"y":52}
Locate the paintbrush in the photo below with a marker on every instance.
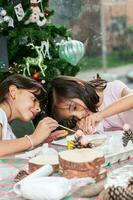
{"x":66,"y":128}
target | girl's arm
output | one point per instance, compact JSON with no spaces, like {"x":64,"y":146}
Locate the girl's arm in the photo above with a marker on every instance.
{"x":120,"y":90}
{"x":13,"y":146}
{"x":42,"y":131}
{"x":123,"y":104}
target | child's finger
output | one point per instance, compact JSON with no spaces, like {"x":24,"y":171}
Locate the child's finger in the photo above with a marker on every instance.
{"x":85,"y":125}
{"x":81,"y":124}
{"x":53,"y":127}
{"x":52,"y":123}
{"x":88,"y":126}
{"x":49,"y":120}
{"x":59,"y":133}
{"x":53,"y":136}
{"x":93,"y":123}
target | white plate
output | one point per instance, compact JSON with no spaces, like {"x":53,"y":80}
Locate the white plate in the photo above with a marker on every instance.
{"x":104,"y":135}
{"x":89,"y":138}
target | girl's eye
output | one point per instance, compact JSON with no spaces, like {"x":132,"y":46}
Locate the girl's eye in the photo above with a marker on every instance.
{"x":73,"y":107}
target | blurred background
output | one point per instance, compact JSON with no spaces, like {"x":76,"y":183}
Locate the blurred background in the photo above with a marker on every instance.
{"x":106,"y":29}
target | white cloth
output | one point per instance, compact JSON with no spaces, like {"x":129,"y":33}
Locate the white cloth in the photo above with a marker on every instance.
{"x":7,"y":133}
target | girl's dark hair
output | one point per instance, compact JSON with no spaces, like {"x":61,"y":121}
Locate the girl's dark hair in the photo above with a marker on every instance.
{"x":65,"y":87}
{"x":22,"y":82}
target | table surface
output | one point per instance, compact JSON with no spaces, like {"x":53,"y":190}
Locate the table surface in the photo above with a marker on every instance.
{"x":6,"y":184}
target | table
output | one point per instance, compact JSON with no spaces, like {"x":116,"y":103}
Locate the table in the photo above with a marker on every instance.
{"x":6,"y":185}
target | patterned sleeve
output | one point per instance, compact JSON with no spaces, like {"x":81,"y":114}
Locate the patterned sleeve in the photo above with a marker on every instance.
{"x":117,"y":88}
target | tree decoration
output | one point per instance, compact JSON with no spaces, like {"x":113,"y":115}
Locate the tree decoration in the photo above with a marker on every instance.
{"x":71,"y":51}
{"x":36,"y":75}
{"x":43,"y":81}
{"x":46,"y":50}
{"x":19,"y":11}
{"x":16,"y":68}
{"x":4,"y":18}
{"x":38,"y":61}
{"x":29,"y":59}
{"x":36,"y":15}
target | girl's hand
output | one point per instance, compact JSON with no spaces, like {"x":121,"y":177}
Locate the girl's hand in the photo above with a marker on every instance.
{"x":94,"y":119}
{"x":84,"y":125}
{"x":56,"y":135}
{"x":43,"y":130}
{"x":89,"y":123}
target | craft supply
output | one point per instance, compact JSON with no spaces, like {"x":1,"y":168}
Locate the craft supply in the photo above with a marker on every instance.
{"x":130,"y":184}
{"x":127,"y":136}
{"x":66,"y":128}
{"x":70,"y":144}
{"x":116,"y":193}
{"x":22,"y":174}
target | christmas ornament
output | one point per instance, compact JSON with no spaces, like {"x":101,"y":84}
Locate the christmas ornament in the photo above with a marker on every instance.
{"x":43,"y":81}
{"x":38,"y":61}
{"x":46,"y":50}
{"x":19,"y":11}
{"x":36,"y":14}
{"x":71,"y":51}
{"x":3,"y":12}
{"x":36,"y":75}
{"x":16,"y":68}
{"x":5,"y":18}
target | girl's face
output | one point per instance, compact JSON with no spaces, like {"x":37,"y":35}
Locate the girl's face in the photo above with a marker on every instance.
{"x":73,"y":108}
{"x":26,"y":104}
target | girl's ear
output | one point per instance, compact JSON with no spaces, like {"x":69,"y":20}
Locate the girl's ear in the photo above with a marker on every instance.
{"x":12,"y":91}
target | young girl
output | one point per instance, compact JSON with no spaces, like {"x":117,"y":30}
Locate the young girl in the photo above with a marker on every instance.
{"x":121,"y":105}
{"x":74,"y":99}
{"x":22,"y":98}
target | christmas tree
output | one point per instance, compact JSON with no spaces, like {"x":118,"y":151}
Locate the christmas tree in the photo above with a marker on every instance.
{"x":35,"y":46}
